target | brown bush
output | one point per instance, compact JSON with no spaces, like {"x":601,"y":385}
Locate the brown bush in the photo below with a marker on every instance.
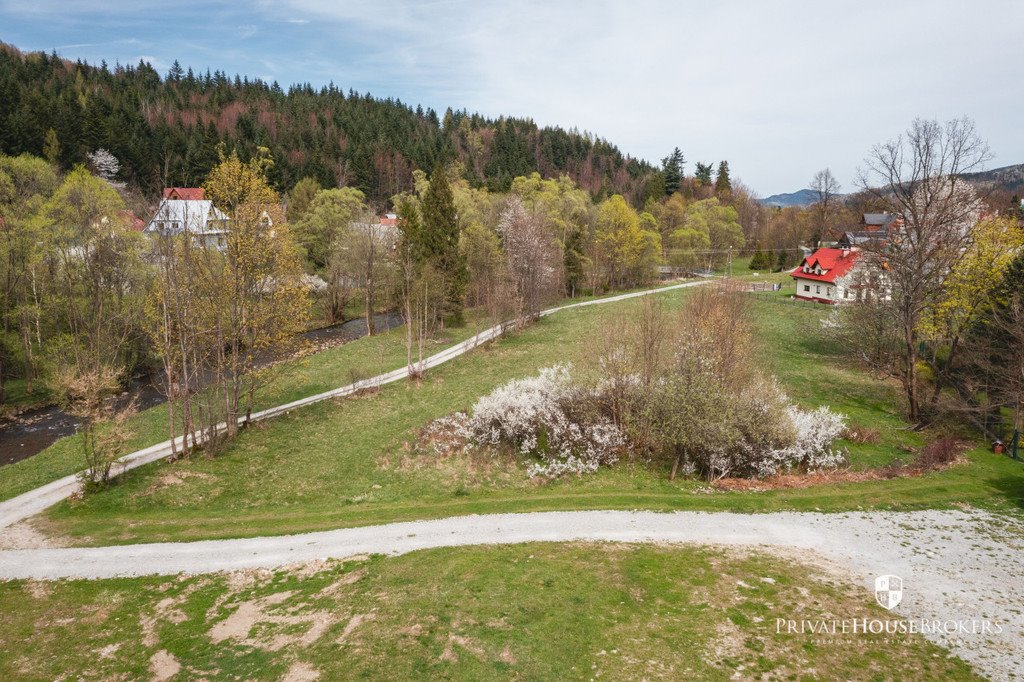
{"x":858,"y":433}
{"x":940,"y":452}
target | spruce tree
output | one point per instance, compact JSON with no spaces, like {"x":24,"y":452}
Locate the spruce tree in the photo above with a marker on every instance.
{"x":440,"y":242}
{"x":723,"y":185}
{"x":702,"y":174}
{"x":51,"y":147}
{"x":176,"y":72}
{"x":574,"y":260}
{"x":757,"y":261}
{"x":672,"y":170}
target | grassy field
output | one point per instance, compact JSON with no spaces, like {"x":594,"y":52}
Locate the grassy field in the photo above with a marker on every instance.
{"x":349,"y":463}
{"x":532,"y":611}
{"x":295,"y":379}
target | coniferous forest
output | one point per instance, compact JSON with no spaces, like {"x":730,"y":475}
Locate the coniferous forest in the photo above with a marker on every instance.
{"x":165,"y":131}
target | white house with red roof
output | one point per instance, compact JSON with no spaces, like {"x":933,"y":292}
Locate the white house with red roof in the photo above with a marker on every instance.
{"x":818,"y":276}
{"x":186,"y":209}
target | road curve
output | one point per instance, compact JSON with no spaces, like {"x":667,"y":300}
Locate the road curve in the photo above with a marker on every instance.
{"x":34,"y":501}
{"x":955,"y":565}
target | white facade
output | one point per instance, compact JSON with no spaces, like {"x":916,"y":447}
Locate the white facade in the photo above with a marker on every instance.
{"x":824,"y":291}
{"x":198,"y":217}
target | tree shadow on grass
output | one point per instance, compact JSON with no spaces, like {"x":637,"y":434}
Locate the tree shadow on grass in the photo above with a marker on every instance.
{"x":1010,"y":487}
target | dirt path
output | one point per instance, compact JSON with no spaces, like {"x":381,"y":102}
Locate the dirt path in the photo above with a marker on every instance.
{"x":955,"y":565}
{"x":34,"y":501}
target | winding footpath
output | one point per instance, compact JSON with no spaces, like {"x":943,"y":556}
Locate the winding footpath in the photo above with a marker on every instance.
{"x":955,"y":565}
{"x":32,"y":502}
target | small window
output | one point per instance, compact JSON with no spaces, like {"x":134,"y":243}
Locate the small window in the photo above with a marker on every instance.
{"x":830,"y":291}
{"x":807,"y":287}
{"x":817,"y":289}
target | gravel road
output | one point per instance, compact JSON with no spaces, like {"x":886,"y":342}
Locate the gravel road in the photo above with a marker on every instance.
{"x":956,"y":565}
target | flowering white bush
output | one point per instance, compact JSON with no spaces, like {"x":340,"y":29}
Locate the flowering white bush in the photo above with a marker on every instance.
{"x":561,"y":424}
{"x":447,"y":435}
{"x":816,"y":430}
{"x":540,"y":416}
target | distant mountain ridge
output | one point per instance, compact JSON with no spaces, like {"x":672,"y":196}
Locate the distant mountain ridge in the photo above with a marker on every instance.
{"x":801,"y":198}
{"x":1008,"y":178}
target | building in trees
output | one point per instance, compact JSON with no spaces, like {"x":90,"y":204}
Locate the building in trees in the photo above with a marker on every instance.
{"x":821,"y":276}
{"x":185,"y":209}
{"x":874,"y":229}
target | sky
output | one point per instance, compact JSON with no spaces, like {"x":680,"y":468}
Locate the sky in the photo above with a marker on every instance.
{"x":779,"y":88}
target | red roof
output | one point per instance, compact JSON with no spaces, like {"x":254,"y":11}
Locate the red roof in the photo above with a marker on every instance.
{"x":134,"y":222}
{"x":834,"y":264}
{"x":185,"y":193}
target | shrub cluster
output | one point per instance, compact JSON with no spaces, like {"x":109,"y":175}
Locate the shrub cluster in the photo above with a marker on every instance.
{"x":940,"y":453}
{"x":684,"y":393}
{"x":549,"y":417}
{"x":563,"y":425}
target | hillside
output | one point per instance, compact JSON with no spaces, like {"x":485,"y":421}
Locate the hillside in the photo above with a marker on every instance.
{"x":165,"y":130}
{"x":1008,"y":178}
{"x":803,"y":197}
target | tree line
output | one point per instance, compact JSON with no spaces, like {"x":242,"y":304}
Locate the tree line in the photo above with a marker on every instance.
{"x":89,"y":302}
{"x":165,"y":130}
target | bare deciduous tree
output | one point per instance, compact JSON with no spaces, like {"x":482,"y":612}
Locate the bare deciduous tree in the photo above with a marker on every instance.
{"x":826,"y":188}
{"x":918,"y":177}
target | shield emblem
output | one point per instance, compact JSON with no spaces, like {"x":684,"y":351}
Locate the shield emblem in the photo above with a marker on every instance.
{"x":888,"y":591}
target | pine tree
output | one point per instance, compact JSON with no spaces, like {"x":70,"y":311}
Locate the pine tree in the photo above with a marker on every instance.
{"x":703,"y":173}
{"x":783,"y":260}
{"x":176,"y":72}
{"x":672,"y":170}
{"x":439,"y":236}
{"x":51,"y":147}
{"x":758,"y":260}
{"x":723,"y":185}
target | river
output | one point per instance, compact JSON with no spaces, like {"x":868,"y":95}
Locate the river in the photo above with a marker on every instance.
{"x":33,"y":431}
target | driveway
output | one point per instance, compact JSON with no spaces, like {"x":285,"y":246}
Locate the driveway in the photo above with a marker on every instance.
{"x":955,"y":565}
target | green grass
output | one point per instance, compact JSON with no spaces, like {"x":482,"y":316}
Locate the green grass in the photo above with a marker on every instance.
{"x":348,"y":462}
{"x":532,"y":611}
{"x":315,"y":374}
{"x":18,"y":399}
{"x":296,"y":379}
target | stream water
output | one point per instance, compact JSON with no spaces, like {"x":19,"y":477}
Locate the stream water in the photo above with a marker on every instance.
{"x":33,"y":431}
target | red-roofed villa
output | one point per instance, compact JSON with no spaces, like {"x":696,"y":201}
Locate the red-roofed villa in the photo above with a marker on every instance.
{"x":817,"y":276}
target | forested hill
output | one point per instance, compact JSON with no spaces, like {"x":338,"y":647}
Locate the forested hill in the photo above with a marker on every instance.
{"x":165,"y":130}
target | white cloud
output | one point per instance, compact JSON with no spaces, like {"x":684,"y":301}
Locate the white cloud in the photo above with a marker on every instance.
{"x":780,"y":89}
